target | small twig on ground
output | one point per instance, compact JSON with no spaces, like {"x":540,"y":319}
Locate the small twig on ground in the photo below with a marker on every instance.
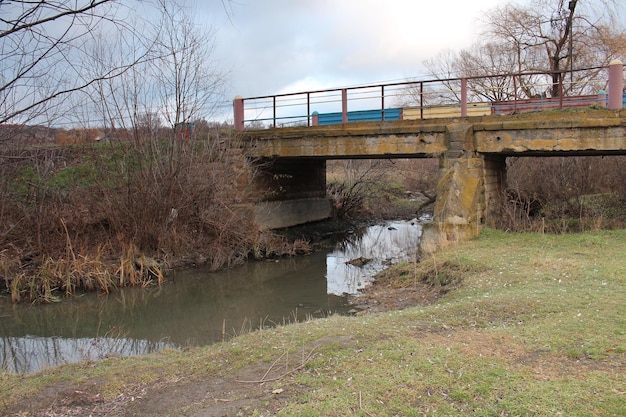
{"x":361,"y":405}
{"x":272,"y":366}
{"x":278,"y":378}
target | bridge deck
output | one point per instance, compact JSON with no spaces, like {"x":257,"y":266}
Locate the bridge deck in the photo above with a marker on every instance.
{"x":582,"y":132}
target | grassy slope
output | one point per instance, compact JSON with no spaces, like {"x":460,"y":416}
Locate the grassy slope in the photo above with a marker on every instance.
{"x":537,"y":327}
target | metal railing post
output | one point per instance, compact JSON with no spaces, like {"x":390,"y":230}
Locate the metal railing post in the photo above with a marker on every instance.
{"x":514,"y":94}
{"x":382,"y":102}
{"x":421,"y":101}
{"x":238,"y":113}
{"x":308,"y":109}
{"x":274,"y":107}
{"x":560,"y":90}
{"x":463,"y":97}
{"x":616,"y":84}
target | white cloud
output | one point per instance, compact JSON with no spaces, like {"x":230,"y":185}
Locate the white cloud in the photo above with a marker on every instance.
{"x":271,"y":46}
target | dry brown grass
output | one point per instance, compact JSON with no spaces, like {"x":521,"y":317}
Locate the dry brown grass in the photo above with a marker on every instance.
{"x":96,"y":217}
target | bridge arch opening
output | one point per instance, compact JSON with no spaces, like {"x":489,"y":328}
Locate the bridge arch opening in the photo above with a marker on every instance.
{"x":302,"y":190}
{"x":389,"y":188}
{"x":561,"y":193}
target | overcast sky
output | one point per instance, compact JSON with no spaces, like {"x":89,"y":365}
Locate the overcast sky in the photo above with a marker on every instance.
{"x":279,"y":46}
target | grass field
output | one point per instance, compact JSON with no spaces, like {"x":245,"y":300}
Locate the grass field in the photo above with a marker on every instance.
{"x":536,"y":326}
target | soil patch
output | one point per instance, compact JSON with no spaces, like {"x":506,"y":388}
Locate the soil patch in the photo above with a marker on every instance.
{"x":211,"y":397}
{"x":380,"y":297}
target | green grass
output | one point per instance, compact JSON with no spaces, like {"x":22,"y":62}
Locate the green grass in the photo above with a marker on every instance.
{"x":535,"y":326}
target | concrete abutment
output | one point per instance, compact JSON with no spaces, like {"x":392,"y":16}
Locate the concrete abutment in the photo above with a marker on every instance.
{"x":291,"y":191}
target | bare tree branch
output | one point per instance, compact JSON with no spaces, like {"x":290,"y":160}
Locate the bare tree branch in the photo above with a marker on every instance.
{"x":44,"y":50}
{"x":30,"y":18}
{"x":555,"y":36}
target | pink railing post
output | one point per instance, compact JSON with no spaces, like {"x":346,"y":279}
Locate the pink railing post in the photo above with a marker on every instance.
{"x":616,"y":84}
{"x":274,"y":112}
{"x":344,"y":106}
{"x":308,"y":109}
{"x":560,"y":90}
{"x":238,"y":112}
{"x":463,"y":97}
{"x":514,"y":94}
{"x":315,"y":118}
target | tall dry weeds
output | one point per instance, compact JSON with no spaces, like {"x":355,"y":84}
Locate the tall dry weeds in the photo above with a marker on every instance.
{"x":99,"y":216}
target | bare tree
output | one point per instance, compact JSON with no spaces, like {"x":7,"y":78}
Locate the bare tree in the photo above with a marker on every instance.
{"x":186,"y":76}
{"x":357,"y":182}
{"x":44,"y":53}
{"x":493,"y":58}
{"x":556,"y":36}
{"x":176,"y":80}
{"x":152,"y":106}
{"x":553,"y":37}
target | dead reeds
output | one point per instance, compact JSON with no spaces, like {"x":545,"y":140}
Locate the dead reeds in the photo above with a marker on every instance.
{"x":96,"y":217}
{"x":46,"y":281}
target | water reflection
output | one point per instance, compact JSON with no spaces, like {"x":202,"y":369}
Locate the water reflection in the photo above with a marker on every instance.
{"x":376,"y":247}
{"x":30,"y":353}
{"x":194,"y":308}
{"x":197,"y":307}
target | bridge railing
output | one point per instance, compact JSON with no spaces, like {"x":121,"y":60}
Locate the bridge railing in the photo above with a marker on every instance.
{"x":452,"y":97}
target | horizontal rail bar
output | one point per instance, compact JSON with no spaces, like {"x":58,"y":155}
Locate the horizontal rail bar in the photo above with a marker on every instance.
{"x":381,"y":94}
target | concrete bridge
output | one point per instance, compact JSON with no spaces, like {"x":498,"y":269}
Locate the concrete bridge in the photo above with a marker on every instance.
{"x":472,"y":154}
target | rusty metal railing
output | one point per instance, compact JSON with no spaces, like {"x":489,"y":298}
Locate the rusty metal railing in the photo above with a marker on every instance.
{"x":436,"y":98}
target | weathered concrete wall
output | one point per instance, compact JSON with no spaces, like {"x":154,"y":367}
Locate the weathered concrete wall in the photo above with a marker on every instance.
{"x":494,"y":185}
{"x":469,"y":192}
{"x":580,"y":131}
{"x":291,"y":191}
{"x":590,"y":132}
{"x":469,"y":189}
{"x":355,"y":140}
{"x":290,"y":178}
{"x":287,"y":213}
{"x":460,"y":178}
{"x":460,"y":191}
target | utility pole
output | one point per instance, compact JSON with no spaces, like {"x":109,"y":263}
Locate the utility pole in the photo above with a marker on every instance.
{"x":572,"y":7}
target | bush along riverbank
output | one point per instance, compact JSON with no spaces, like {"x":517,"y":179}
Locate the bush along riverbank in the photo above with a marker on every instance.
{"x":524,"y":324}
{"x":99,"y":216}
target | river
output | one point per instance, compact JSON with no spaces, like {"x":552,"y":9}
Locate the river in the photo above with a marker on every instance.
{"x":197,"y":307}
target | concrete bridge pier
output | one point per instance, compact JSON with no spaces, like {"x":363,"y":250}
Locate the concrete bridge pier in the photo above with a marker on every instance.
{"x":469,"y":191}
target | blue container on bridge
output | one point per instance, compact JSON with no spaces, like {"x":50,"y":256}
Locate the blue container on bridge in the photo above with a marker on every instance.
{"x":360,"y":116}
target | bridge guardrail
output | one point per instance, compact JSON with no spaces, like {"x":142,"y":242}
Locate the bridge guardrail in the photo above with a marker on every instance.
{"x":452,"y":97}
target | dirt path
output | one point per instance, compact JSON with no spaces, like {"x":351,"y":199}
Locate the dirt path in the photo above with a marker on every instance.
{"x":214,"y":397}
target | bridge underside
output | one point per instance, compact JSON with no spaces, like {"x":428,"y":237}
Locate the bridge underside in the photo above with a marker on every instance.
{"x":293,"y":191}
{"x":472,"y":156}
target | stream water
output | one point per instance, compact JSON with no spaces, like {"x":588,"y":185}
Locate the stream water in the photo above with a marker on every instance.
{"x":197,"y":307}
